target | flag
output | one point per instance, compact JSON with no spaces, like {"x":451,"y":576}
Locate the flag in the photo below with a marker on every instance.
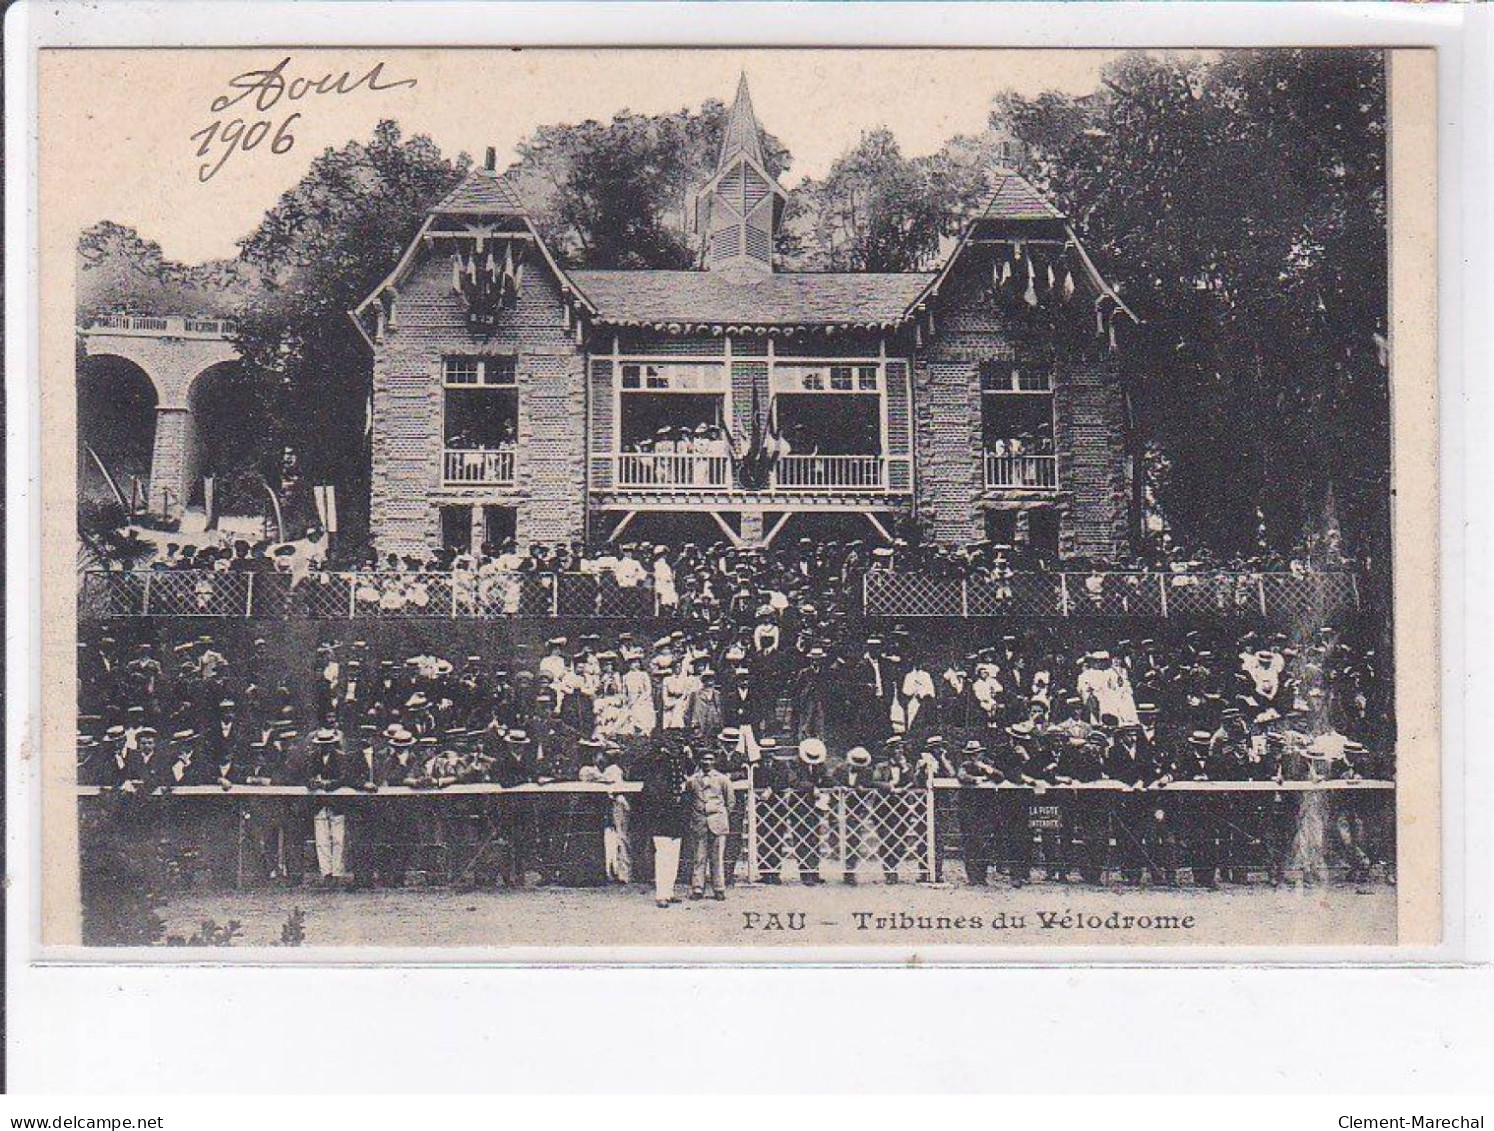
{"x":326,"y":506}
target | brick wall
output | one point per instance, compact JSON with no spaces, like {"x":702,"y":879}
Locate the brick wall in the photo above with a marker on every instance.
{"x":1090,"y":438}
{"x":1089,"y":426}
{"x":430,"y":322}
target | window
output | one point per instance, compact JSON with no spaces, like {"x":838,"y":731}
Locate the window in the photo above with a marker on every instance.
{"x":673,"y":377}
{"x":803,"y":378}
{"x":1016,"y":375}
{"x":480,"y":372}
{"x":481,"y":411}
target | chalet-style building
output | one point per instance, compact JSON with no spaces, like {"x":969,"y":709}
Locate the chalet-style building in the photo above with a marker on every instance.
{"x":513,"y":398}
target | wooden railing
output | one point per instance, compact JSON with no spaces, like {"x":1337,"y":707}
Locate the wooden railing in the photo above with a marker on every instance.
{"x":830,"y":473}
{"x":1034,"y":472}
{"x":487,"y":467}
{"x":669,"y":473}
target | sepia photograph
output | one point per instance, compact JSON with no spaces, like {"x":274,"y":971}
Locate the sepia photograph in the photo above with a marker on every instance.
{"x":731,"y":498}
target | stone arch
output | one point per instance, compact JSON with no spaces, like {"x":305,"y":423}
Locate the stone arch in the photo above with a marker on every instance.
{"x":117,"y":406}
{"x":172,"y":352}
{"x":222,"y":417}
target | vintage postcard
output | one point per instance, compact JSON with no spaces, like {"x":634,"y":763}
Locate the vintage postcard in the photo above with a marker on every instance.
{"x":630,"y":500}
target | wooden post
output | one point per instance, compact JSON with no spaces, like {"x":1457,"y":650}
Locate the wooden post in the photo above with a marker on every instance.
{"x":751,"y":827}
{"x":840,"y":813}
{"x":931,"y":847}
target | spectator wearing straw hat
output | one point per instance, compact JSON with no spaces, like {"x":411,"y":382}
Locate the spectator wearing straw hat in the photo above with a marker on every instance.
{"x":977,"y":775}
{"x":710,"y":822}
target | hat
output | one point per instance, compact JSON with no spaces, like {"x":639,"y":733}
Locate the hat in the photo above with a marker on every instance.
{"x":1200,"y":738}
{"x":184,"y":735}
{"x":768,"y":743}
{"x":517,"y":735}
{"x":325,"y":736}
{"x":974,"y":747}
{"x":812,"y":751}
{"x":859,"y":756}
{"x":1147,"y":709}
{"x":226,"y":704}
{"x":416,"y":700}
{"x":729,"y":736}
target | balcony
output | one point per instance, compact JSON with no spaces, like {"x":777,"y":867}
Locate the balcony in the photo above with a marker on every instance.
{"x":668,"y":473}
{"x":1033,"y":473}
{"x":479,"y":467}
{"x":648,"y":473}
{"x":830,"y":473}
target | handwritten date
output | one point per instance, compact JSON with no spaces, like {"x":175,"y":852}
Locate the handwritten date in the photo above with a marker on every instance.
{"x":257,"y":93}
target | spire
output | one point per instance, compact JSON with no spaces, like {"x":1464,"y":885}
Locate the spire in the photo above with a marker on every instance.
{"x":742,"y":134}
{"x":737,"y":210}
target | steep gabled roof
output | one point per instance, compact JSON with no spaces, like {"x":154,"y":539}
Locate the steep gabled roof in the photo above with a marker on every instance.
{"x":1015,"y":211}
{"x":741,"y":133}
{"x":1013,"y":197}
{"x":481,"y":193}
{"x":783,"y":299}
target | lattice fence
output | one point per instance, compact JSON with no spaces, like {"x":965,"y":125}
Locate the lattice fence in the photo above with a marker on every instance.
{"x":197,"y":593}
{"x":1275,"y":597}
{"x":841,"y":831}
{"x":913,"y":595}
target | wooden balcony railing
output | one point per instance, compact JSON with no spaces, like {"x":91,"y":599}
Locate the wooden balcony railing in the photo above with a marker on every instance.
{"x":1031,"y":472}
{"x":480,"y":467}
{"x":830,"y":473}
{"x":668,"y":473}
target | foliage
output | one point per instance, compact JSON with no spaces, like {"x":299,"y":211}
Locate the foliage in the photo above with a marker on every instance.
{"x":318,"y":252}
{"x":877,"y":210}
{"x":209,"y":933}
{"x":620,"y":194}
{"x":104,"y":530}
{"x":118,"y":271}
{"x":1239,"y":203}
{"x":117,"y":875}
{"x":293,"y":930}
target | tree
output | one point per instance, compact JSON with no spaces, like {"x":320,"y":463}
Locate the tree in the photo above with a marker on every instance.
{"x":875,"y":210}
{"x":1239,"y":204}
{"x":118,"y":271}
{"x":620,"y":194}
{"x":320,"y":251}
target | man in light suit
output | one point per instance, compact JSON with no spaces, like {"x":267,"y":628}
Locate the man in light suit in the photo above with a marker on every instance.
{"x":710,"y":821}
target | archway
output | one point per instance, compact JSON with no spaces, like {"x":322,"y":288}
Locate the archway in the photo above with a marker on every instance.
{"x":227,"y":422}
{"x":117,"y":421}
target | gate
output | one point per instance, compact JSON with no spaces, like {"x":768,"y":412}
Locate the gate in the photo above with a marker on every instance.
{"x":842,"y":831}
